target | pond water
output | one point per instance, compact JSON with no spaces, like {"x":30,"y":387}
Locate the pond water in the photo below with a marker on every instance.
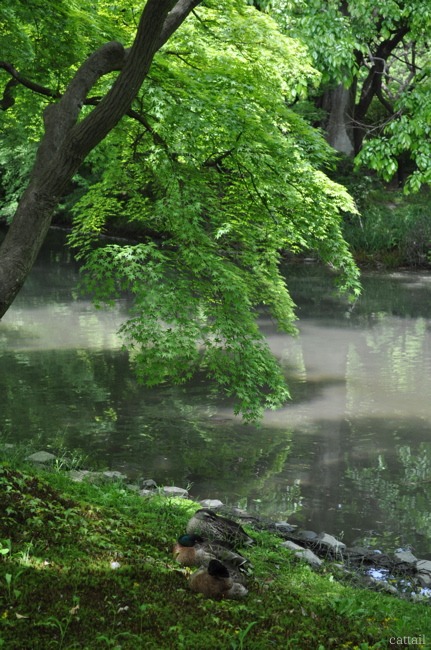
{"x":350,"y":454}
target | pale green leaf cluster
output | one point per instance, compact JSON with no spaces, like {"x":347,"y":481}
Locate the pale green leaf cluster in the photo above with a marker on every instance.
{"x":46,"y":41}
{"x":225,"y":180}
{"x":328,"y":33}
{"x":336,"y":32}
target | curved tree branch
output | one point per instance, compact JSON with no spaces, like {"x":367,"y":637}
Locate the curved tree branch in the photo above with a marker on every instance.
{"x":373,"y":83}
{"x":67,"y":141}
{"x":31,"y":85}
{"x":8,"y":99}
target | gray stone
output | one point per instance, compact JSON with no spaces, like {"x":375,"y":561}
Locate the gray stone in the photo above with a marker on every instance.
{"x":79,"y":475}
{"x":360,"y":550}
{"x":310,"y":557}
{"x":424,"y":579}
{"x":384,"y":586}
{"x":406,"y":556}
{"x":423,"y":566}
{"x":172,"y":491}
{"x":330,"y":542}
{"x":42,"y":457}
{"x":211,"y":503}
{"x":148,"y":484}
{"x":146,"y":493}
{"x":303,"y":554}
{"x":292,"y":546}
{"x":360,"y":553}
{"x":284,"y":527}
{"x":114,"y":476}
{"x":132,"y":487}
{"x":306,"y":535}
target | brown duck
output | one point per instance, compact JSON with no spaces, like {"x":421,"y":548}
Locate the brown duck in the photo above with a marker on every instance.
{"x":215,"y":581}
{"x":216,"y":528}
{"x":194,"y":550}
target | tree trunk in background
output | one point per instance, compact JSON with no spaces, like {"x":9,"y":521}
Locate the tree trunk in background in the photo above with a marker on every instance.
{"x":338,"y":102}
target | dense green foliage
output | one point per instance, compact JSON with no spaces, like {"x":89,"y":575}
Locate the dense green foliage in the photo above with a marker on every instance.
{"x":392,"y":230}
{"x":91,"y":566}
{"x":230,"y":181}
{"x":45,"y":45}
{"x":381,"y":54}
{"x":219,"y":175}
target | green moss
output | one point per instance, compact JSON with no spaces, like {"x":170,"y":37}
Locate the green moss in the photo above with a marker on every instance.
{"x":59,"y":588}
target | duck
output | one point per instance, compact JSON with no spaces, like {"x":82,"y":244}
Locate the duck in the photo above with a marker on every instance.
{"x":194,"y":550}
{"x":216,"y":528}
{"x":215,"y":581}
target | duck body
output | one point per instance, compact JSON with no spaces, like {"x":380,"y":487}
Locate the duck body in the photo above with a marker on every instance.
{"x":215,"y":581}
{"x":216,"y":528}
{"x":194,"y":550}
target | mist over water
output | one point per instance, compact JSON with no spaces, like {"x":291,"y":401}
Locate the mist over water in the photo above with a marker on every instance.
{"x":350,"y":454}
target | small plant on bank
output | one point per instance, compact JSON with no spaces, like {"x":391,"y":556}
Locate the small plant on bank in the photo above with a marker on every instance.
{"x":5,"y":547}
{"x":63,"y":624}
{"x":12,"y":593}
{"x":239,"y":644}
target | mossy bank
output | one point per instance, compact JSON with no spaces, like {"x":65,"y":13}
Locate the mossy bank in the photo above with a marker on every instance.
{"x":88,"y":566}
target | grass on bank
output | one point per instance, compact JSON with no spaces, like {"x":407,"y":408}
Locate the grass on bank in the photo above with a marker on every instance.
{"x":392,"y":230}
{"x":59,"y":587}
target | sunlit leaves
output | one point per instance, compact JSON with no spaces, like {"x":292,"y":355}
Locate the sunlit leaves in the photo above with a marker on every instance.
{"x":45,"y":43}
{"x":223,"y":180}
{"x":218,"y":177}
{"x":327,"y":32}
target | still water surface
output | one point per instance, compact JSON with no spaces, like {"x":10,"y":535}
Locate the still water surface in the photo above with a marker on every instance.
{"x":349,"y":454}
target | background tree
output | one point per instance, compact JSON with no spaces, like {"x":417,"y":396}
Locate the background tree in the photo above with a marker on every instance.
{"x":217,"y":175}
{"x":375,"y":80}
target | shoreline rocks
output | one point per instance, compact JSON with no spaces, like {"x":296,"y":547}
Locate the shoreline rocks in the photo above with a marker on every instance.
{"x":372,"y":568}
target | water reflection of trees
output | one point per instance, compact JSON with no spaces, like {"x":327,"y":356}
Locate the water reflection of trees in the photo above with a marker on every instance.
{"x":89,"y":401}
{"x":402,"y":503}
{"x":387,"y":369}
{"x":373,"y":368}
{"x":241,"y":465}
{"x":49,"y":395}
{"x":401,"y":347}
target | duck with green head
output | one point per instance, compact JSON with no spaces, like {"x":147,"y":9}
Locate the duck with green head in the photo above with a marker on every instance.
{"x":216,"y":528}
{"x":194,"y":550}
{"x":215,"y":581}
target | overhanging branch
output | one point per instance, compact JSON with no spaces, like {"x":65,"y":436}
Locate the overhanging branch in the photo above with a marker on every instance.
{"x":31,"y":85}
{"x":8,"y":99}
{"x":175,"y":18}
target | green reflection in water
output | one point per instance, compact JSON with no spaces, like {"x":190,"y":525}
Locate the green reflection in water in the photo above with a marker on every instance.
{"x":89,"y":401}
{"x":347,"y":455}
{"x":402,"y":504}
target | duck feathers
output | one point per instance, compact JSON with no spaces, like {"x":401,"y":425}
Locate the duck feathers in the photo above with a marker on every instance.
{"x":216,"y":528}
{"x":215,"y":581}
{"x":194,"y":550}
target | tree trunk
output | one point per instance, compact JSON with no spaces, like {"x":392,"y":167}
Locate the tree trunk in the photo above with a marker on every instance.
{"x":67,"y":142}
{"x":339,"y":104}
